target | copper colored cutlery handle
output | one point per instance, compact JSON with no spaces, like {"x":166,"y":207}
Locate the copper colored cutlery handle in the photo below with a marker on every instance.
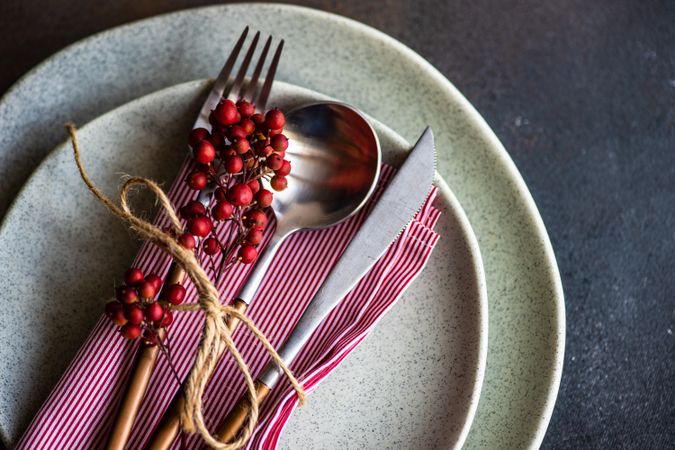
{"x":168,"y":428}
{"x":133,"y":396}
{"x":138,"y":381}
{"x":233,"y":322}
{"x":229,"y":428}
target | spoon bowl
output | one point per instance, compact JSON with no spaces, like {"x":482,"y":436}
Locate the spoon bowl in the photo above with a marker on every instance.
{"x":335,"y":159}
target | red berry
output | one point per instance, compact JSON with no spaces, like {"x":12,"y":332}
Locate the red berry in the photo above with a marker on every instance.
{"x":217,"y":139}
{"x":174,"y":294}
{"x":254,"y":185}
{"x":166,"y":320}
{"x":211,"y":246}
{"x":133,"y":276}
{"x":200,"y":226}
{"x":274,"y":161}
{"x":220,"y":194}
{"x":284,"y":170}
{"x":197,"y":135}
{"x":222,"y":211}
{"x":154,"y":312}
{"x":245,"y":108}
{"x":226,"y":112}
{"x":212,"y":119}
{"x":187,"y":241}
{"x":112,"y":307}
{"x":248,"y":126}
{"x":134,"y":314}
{"x":258,"y":118}
{"x":240,"y":195}
{"x":279,"y":143}
{"x":126,"y":294}
{"x":248,"y":253}
{"x":279,"y":183}
{"x":197,"y":180}
{"x":254,"y":236}
{"x":205,"y":152}
{"x":273,"y":133}
{"x":264,"y":198}
{"x":192,"y":209}
{"x":256,"y":219}
{"x":115,"y":312}
{"x":147,"y":289}
{"x":275,"y":119}
{"x":131,"y":331}
{"x":155,"y":280}
{"x":227,"y":151}
{"x":234,"y":164}
{"x":241,"y":145}
{"x":236,"y":132}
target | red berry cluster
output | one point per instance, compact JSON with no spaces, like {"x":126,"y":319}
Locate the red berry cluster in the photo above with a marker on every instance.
{"x":242,"y":148}
{"x":136,"y":310}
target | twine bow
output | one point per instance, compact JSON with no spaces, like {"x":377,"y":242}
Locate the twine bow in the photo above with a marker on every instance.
{"x":215,"y":335}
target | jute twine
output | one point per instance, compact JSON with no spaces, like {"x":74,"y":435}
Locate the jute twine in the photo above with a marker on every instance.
{"x":215,"y":335}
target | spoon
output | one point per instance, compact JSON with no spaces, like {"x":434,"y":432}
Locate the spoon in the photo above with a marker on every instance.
{"x":335,"y":156}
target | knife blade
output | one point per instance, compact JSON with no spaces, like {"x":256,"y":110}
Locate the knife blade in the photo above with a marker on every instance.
{"x":394,"y":210}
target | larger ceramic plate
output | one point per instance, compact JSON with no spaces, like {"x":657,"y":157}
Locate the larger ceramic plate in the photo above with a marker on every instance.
{"x":420,"y":372}
{"x":362,"y":66}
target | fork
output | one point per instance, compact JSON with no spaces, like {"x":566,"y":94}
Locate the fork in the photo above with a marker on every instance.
{"x":233,"y":88}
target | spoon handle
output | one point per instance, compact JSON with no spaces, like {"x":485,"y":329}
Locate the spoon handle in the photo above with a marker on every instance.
{"x":169,"y":426}
{"x":254,"y":279}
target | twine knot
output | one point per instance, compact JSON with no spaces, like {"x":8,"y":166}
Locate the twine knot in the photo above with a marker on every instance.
{"x":216,"y":335}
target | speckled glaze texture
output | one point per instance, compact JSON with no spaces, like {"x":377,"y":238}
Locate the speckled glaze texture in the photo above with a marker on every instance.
{"x":363,"y":67}
{"x":416,"y":381}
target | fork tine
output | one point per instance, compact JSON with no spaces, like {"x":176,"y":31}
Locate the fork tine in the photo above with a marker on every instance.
{"x":234,"y":86}
{"x":216,"y":92}
{"x":250,"y":87}
{"x":269,"y":78}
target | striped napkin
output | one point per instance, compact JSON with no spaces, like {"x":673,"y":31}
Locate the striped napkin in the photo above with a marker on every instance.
{"x":80,"y":410}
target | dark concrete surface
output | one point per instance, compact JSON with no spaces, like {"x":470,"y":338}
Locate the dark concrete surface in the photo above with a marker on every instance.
{"x":582,"y":94}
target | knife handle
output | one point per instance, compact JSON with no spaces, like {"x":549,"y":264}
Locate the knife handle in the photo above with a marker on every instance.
{"x":169,"y":426}
{"x":138,"y":381}
{"x":230,"y":426}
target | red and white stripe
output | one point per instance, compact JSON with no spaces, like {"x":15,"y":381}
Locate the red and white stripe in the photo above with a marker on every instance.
{"x":80,"y":410}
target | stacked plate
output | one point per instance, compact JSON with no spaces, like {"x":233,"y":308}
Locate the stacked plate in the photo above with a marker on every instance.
{"x":471,"y":356}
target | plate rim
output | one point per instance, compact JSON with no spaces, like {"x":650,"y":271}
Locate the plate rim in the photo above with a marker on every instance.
{"x":495,"y":147}
{"x":475,"y":258}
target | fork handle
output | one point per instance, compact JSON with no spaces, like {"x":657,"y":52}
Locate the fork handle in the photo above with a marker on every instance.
{"x":169,"y":426}
{"x":138,"y":381}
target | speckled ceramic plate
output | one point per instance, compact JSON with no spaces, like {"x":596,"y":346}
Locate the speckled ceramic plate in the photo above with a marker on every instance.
{"x":364,"y":67}
{"x":415,"y":381}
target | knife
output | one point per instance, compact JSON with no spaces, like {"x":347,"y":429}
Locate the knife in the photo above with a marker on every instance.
{"x":395,"y":209}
